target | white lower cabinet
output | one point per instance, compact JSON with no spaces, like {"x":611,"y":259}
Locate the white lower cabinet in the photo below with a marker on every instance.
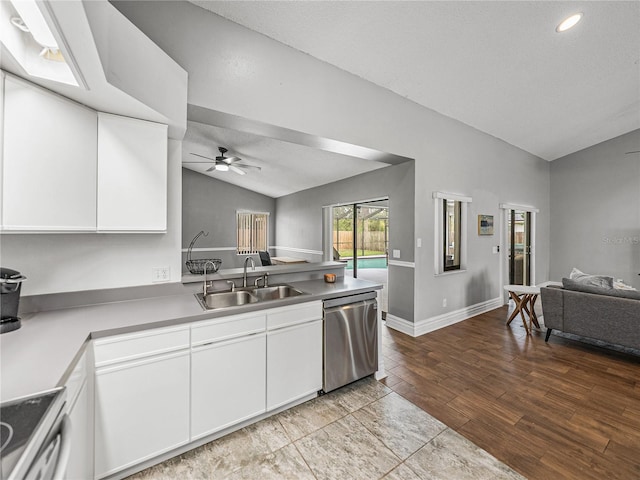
{"x":80,"y":412}
{"x":79,"y":465}
{"x":227,"y":383}
{"x":160,"y":389}
{"x":141,"y":406}
{"x":294,"y":353}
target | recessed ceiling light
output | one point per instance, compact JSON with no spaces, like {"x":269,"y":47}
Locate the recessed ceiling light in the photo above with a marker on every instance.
{"x":569,"y":22}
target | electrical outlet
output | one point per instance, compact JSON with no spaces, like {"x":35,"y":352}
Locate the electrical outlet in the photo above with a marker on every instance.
{"x":444,"y":302}
{"x":419,"y":243}
{"x":160,"y":274}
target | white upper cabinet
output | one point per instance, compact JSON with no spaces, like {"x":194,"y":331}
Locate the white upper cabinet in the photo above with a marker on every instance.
{"x":67,"y":168}
{"x":49,"y":161}
{"x":132,"y":174}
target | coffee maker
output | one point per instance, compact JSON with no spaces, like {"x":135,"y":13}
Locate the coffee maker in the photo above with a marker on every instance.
{"x":10,"y":286}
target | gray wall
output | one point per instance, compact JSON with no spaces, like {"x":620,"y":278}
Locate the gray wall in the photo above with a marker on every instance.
{"x":211,"y":205}
{"x":299,"y":221}
{"x":595,"y":211}
{"x":290,"y":89}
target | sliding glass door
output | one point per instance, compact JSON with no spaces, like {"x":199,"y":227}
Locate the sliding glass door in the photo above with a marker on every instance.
{"x":361,"y":235}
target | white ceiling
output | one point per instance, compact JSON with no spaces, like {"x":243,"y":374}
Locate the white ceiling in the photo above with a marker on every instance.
{"x":497,"y":66}
{"x":285,"y":166}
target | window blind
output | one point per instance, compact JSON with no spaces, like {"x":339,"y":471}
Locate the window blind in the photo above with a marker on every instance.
{"x":252,"y":232}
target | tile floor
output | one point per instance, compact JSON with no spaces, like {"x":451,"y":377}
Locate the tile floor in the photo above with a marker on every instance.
{"x":361,"y":431}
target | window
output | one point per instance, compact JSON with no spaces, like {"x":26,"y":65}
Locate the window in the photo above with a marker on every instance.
{"x":252,"y":232}
{"x":452,"y":235}
{"x":451,"y":232}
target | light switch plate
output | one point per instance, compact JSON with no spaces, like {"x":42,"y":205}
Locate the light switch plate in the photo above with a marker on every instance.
{"x":396,"y":254}
{"x":419,"y":243}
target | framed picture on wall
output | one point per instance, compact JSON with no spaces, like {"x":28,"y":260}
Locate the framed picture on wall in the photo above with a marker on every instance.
{"x":485,"y":224}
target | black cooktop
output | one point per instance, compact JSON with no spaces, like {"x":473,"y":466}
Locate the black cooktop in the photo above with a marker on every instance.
{"x":20,"y":419}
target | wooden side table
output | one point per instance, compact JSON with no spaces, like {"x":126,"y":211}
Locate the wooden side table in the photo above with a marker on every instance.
{"x":524,"y":298}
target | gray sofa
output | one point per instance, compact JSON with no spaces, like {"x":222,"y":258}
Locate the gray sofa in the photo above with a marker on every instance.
{"x":610,"y":315}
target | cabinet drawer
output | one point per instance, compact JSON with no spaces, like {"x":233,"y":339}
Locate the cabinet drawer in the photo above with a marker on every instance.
{"x":227,"y":327}
{"x":293,"y":315}
{"x":138,"y":345}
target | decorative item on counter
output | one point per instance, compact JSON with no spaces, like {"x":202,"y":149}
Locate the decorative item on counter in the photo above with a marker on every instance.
{"x":330,"y":277}
{"x":197,"y":266}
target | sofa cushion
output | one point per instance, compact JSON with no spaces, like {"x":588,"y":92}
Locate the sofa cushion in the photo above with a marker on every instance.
{"x":602,"y":281}
{"x":577,"y":286}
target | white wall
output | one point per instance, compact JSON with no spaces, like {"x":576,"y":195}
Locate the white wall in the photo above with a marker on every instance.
{"x":595,"y":217}
{"x":67,"y":263}
{"x":238,"y":71}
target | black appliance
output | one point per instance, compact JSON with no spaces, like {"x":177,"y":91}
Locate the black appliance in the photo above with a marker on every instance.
{"x":34,"y":437}
{"x":10,"y":286}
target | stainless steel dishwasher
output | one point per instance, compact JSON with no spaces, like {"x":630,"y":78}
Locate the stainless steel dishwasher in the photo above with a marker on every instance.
{"x":350,"y":339}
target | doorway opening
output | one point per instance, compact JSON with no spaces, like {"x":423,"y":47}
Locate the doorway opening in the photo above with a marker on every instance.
{"x":360,"y":239}
{"x":519,"y":228}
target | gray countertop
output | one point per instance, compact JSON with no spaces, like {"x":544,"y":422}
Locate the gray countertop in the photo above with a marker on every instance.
{"x":39,"y":355}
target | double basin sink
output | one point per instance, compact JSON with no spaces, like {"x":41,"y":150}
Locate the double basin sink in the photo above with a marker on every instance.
{"x":247,"y":295}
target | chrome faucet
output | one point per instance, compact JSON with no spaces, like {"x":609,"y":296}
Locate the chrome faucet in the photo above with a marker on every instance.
{"x":265,"y":280}
{"x":253,"y":267}
{"x":204,"y":288}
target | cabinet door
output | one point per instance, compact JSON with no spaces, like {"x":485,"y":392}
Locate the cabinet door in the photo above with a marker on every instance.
{"x":227,"y":383}
{"x":80,"y":413}
{"x":49,"y":161}
{"x":141,"y":411}
{"x":132,"y":174}
{"x":79,"y":465}
{"x":294,"y":363}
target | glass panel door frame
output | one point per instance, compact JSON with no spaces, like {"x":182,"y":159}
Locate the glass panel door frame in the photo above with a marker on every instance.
{"x":328,"y":228}
{"x":519,"y":245}
{"x":504,"y":243}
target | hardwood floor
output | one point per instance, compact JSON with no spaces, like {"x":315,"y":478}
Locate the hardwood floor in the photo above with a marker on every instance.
{"x":564,"y":409}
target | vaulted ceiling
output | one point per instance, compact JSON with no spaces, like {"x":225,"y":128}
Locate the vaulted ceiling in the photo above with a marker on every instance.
{"x":497,"y":66}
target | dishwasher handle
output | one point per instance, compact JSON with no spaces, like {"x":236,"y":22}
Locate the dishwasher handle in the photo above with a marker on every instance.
{"x":340,"y":301}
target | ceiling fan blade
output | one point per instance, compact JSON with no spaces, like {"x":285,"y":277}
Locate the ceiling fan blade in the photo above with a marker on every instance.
{"x":211,"y":169}
{"x":237,"y":170}
{"x":244,"y":165}
{"x":202,"y":156}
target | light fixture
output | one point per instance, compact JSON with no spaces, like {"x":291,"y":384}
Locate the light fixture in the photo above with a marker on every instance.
{"x":36,"y":44}
{"x":36,"y":24}
{"x":222,"y":167}
{"x":569,"y":22}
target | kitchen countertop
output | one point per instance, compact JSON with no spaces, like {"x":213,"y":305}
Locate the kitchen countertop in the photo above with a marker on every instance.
{"x":41,"y":353}
{"x":228,"y":273}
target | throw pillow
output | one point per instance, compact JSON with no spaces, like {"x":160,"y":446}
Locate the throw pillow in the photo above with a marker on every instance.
{"x":609,"y":292}
{"x":602,"y":281}
{"x":620,"y":285}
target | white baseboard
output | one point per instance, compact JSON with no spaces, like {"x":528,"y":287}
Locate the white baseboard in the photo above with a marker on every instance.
{"x":441,"y":321}
{"x":400,"y":324}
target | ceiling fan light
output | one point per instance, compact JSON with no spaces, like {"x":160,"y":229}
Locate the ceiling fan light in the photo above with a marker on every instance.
{"x":569,"y":22}
{"x":222,"y":167}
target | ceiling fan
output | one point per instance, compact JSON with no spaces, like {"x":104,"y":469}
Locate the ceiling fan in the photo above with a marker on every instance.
{"x":224,"y":164}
